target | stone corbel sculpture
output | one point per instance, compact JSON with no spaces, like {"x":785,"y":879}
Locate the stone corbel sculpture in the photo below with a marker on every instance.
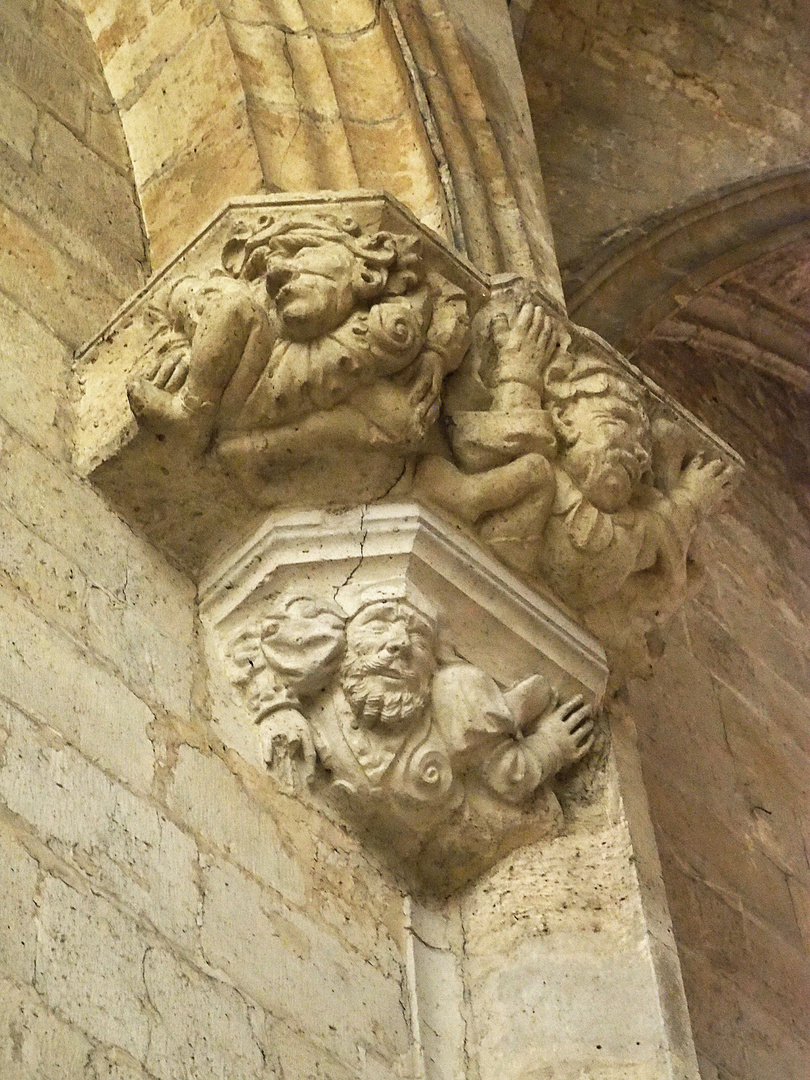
{"x":315,"y":352}
{"x":574,"y":472}
{"x":430,"y":756}
{"x":316,"y":340}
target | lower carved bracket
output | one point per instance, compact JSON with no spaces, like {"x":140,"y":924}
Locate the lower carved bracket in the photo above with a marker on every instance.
{"x":379,"y":661}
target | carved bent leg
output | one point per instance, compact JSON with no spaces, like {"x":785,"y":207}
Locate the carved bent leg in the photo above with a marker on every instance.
{"x":472,"y":495}
{"x":183,"y":397}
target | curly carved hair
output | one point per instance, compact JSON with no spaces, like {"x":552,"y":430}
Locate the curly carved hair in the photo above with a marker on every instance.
{"x":393,"y":258}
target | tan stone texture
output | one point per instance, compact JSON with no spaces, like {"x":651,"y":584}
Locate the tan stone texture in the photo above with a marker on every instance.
{"x":166,"y":912}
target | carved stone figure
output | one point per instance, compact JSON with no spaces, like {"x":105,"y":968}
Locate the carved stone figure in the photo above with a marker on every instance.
{"x":317,"y":339}
{"x":433,"y":757}
{"x":317,"y":353}
{"x":565,"y":476}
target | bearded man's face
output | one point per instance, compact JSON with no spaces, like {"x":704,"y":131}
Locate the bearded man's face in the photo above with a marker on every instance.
{"x":610,"y":451}
{"x":388,"y":667}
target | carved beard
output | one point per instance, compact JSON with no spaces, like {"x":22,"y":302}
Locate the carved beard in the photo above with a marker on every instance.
{"x":393,"y":701}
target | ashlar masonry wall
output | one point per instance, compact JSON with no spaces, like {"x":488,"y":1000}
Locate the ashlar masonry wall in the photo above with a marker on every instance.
{"x":158,"y":917}
{"x":724,"y":731}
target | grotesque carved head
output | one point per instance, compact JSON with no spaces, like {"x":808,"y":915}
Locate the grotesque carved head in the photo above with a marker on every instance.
{"x":389,"y":663}
{"x":600,"y":419}
{"x":318,"y":270}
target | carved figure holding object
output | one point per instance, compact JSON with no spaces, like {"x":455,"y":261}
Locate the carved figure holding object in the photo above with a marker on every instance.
{"x":392,"y":728}
{"x":318,"y":337}
{"x":605,"y":504}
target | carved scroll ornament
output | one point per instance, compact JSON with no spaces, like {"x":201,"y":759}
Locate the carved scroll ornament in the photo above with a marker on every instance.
{"x":430,"y":755}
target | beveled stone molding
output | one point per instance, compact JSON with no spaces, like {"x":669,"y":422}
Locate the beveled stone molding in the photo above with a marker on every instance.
{"x":381,"y":661}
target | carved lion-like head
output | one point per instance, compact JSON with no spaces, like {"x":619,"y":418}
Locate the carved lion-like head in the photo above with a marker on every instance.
{"x":318,"y":269}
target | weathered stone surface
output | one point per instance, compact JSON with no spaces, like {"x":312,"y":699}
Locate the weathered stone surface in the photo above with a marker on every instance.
{"x":92,"y":709}
{"x":90,"y":962}
{"x":19,"y":120}
{"x":203,"y":1026}
{"x":202,"y":787}
{"x":36,"y":1043}
{"x":299,"y":972}
{"x":19,"y":876}
{"x":123,"y":845}
{"x":36,"y":365}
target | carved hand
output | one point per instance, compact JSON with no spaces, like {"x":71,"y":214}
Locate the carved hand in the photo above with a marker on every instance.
{"x":707,"y":483}
{"x":565,"y":736}
{"x":287,"y":747}
{"x":425,"y":392}
{"x":527,"y":340}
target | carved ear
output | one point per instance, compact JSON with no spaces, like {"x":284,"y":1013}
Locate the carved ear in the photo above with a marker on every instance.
{"x":368,"y":281}
{"x":233,"y":255}
{"x":562,"y":425}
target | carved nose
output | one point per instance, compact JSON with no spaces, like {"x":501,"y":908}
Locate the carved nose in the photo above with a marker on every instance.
{"x":279,"y":275}
{"x":397,"y":644}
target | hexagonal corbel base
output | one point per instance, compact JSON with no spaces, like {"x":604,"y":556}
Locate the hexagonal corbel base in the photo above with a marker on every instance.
{"x":382,"y":664}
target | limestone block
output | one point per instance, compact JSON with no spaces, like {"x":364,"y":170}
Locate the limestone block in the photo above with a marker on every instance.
{"x":200,"y":1026}
{"x":121,"y":843}
{"x":19,"y":120}
{"x":104,"y":134}
{"x":67,"y":222}
{"x":209,"y":798}
{"x":298,"y":972}
{"x":69,"y":298}
{"x":157,"y":667}
{"x":98,"y":200}
{"x":90,"y":967}
{"x":62,"y":25}
{"x":35,"y":1043}
{"x":48,"y":502}
{"x":42,"y":74}
{"x":113,"y":1064}
{"x":134,"y":37}
{"x":44,"y":673}
{"x":35,"y":380}
{"x":173,"y":114}
{"x":180,"y":201}
{"x":18,"y":885}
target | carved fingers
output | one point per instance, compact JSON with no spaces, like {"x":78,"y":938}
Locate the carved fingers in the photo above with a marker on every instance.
{"x":169,"y":371}
{"x":531,"y":334}
{"x":425,"y":392}
{"x":287,"y":747}
{"x":570,"y":728}
{"x":709,"y":483}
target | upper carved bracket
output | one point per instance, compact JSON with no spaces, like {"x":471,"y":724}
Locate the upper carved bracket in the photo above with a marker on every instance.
{"x":330,"y":351}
